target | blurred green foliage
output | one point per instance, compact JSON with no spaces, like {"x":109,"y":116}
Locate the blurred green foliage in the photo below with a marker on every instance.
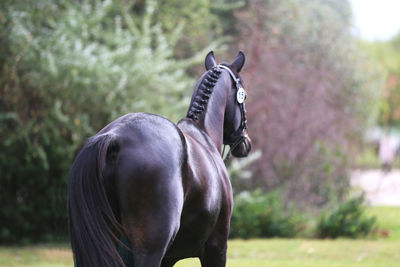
{"x":67,"y":69}
{"x":346,"y":220}
{"x":256,"y":214}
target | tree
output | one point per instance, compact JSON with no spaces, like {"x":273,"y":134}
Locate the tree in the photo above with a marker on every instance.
{"x":310,"y":95}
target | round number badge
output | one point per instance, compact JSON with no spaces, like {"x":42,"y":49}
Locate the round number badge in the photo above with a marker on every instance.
{"x":241,"y":95}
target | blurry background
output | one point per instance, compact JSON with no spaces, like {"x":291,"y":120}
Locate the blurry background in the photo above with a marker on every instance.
{"x":324,"y":95}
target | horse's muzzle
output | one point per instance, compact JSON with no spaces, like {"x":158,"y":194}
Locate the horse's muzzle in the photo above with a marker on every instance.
{"x":243,"y":149}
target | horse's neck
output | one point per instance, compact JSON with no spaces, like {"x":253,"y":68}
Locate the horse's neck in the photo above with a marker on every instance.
{"x":212,"y":120}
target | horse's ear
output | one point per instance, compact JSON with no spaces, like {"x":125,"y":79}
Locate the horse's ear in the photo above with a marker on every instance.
{"x":210,"y":60}
{"x":238,"y":62}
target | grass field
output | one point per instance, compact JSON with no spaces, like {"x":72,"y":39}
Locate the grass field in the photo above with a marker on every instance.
{"x":377,"y":251}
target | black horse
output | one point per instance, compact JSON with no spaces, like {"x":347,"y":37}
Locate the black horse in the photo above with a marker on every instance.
{"x":163,"y":186}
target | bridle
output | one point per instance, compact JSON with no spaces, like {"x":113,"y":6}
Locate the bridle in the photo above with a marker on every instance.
{"x":238,"y":136}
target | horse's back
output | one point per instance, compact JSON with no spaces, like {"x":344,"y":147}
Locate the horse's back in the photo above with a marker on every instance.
{"x":144,"y":129}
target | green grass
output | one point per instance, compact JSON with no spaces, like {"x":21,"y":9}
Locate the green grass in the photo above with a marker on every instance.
{"x":252,"y":253}
{"x":376,"y":251}
{"x":388,"y":221}
{"x":39,"y":255}
{"x":297,"y":252}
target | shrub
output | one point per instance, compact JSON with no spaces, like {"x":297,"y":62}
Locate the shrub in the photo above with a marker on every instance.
{"x":258,"y":215}
{"x":347,"y":220}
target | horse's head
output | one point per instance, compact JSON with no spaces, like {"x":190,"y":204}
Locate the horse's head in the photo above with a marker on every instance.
{"x":235,"y":123}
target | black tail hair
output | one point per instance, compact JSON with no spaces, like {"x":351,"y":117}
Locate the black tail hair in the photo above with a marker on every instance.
{"x":91,"y":218}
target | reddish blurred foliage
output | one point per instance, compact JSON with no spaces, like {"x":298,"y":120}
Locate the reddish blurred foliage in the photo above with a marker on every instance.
{"x":299,"y":113}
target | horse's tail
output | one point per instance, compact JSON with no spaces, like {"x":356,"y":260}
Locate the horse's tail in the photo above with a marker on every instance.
{"x":92,"y":222}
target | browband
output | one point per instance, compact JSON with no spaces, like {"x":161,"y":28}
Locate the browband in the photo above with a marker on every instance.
{"x":230,"y":72}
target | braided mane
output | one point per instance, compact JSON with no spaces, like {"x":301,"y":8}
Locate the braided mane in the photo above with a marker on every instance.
{"x":200,"y":101}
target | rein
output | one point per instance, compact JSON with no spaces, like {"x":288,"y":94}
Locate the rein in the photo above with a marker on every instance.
{"x":238,"y":136}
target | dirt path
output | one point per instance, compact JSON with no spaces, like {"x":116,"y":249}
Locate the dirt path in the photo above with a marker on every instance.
{"x":380,"y":188}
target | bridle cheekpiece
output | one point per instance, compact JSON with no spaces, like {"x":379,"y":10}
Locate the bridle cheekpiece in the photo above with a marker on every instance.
{"x":238,"y":136}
